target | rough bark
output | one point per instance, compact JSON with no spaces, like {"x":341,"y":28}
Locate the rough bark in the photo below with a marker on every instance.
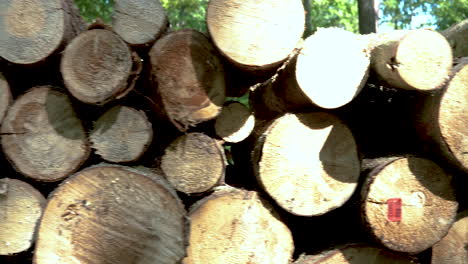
{"x":194,"y":163}
{"x":122,"y":134}
{"x":42,"y":136}
{"x":403,"y":198}
{"x":189,"y":77}
{"x":139,"y":22}
{"x":442,"y":120}
{"x":236,"y":226}
{"x":21,"y":206}
{"x":112,"y":214}
{"x":98,"y":66}
{"x":453,"y":247}
{"x":457,"y":36}
{"x":308,"y":163}
{"x":355,"y":254}
{"x":5,"y":97}
{"x":33,"y":30}
{"x":235,"y":123}
{"x":416,"y":59}
{"x":256,"y":35}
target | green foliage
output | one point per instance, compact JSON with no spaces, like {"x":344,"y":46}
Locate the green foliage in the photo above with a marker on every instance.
{"x":449,"y":12}
{"x":186,"y":13}
{"x":92,"y":9}
{"x":334,"y":13}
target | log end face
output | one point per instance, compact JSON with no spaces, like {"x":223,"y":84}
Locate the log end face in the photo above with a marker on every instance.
{"x":5,"y":97}
{"x":453,"y":248}
{"x":235,"y":123}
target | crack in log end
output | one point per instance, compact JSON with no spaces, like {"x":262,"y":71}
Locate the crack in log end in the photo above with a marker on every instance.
{"x":393,"y":65}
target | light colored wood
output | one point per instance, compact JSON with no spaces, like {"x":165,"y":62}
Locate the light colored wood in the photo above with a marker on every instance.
{"x":308,"y":163}
{"x":356,"y":254}
{"x":194,"y":163}
{"x":427,"y":203}
{"x":256,"y":34}
{"x":42,"y":136}
{"x":139,"y":22}
{"x":5,"y":97}
{"x":112,"y":214}
{"x":457,"y":36}
{"x":453,"y":248}
{"x":234,"y":226}
{"x":332,"y":67}
{"x":188,"y":76}
{"x":21,"y":206}
{"x":416,"y":59}
{"x":34,"y":29}
{"x":122,"y":134}
{"x":235,"y":123}
{"x":96,"y":66}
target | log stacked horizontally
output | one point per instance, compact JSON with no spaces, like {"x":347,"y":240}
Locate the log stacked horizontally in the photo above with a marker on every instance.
{"x":246,"y":144}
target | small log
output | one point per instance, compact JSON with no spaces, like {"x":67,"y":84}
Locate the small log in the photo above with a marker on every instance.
{"x":42,"y":136}
{"x":443,"y":118}
{"x":139,"y":22}
{"x":415,"y":60}
{"x":403,"y":198}
{"x":308,"y":163}
{"x":112,"y":214}
{"x":355,"y":254}
{"x":33,"y":30}
{"x":21,"y":207}
{"x":97,"y":67}
{"x":122,"y":134}
{"x":235,"y":123}
{"x":236,"y":226}
{"x":329,"y":53}
{"x":189,"y":77}
{"x":453,"y":248}
{"x":256,"y":35}
{"x":457,"y":36}
{"x":194,"y":163}
{"x":5,"y":97}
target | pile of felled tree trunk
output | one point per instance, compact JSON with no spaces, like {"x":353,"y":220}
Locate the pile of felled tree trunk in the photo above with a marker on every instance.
{"x":132,"y":142}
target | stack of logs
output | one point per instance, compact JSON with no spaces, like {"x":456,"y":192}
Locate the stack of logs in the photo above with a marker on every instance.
{"x":128,"y":142}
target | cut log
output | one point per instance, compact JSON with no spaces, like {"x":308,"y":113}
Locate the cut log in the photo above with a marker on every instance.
{"x":236,"y":226}
{"x":256,"y":35}
{"x":33,"y":30}
{"x":443,"y":118}
{"x":5,"y":97}
{"x":122,"y":134}
{"x":189,"y":77}
{"x":457,"y":36}
{"x":97,"y":67}
{"x":42,"y":136}
{"x":194,"y":163}
{"x":21,"y":206}
{"x":112,"y":214}
{"x":453,"y":248}
{"x":329,"y":53}
{"x":308,"y":163}
{"x":235,"y":123}
{"x":403,"y":198}
{"x":139,"y":22}
{"x":416,"y":59}
{"x":355,"y":254}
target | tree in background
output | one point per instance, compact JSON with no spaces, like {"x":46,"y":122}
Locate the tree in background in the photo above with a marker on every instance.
{"x":186,"y":13}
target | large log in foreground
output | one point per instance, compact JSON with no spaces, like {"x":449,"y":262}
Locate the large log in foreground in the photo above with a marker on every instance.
{"x":188,"y":78}
{"x":112,"y":214}
{"x":416,"y":59}
{"x":139,"y":22}
{"x":256,"y":35}
{"x":42,"y":136}
{"x":97,"y":67}
{"x":403,"y":198}
{"x":234,"y":226}
{"x":308,"y":163}
{"x":33,"y":30}
{"x":5,"y":97}
{"x":21,"y":206}
{"x":356,"y":254}
{"x":453,"y":248}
